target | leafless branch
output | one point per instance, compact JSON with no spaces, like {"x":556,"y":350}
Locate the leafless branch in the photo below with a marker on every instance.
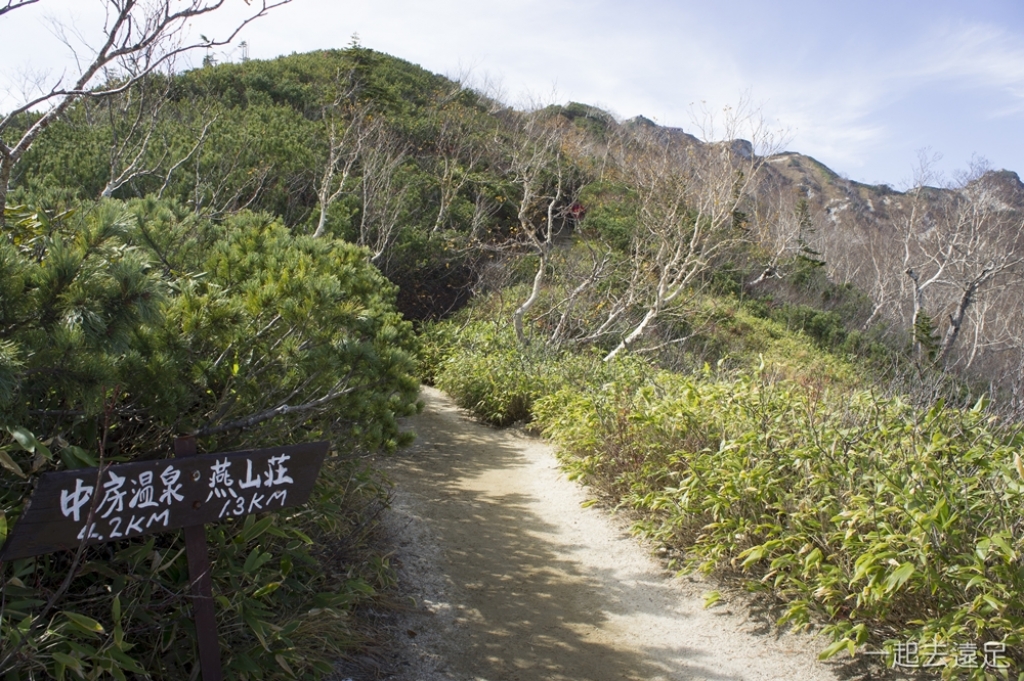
{"x":383,"y":192}
{"x":140,"y":37}
{"x":280,"y":410}
{"x":689,"y":193}
{"x":200,"y":141}
{"x":12,"y":5}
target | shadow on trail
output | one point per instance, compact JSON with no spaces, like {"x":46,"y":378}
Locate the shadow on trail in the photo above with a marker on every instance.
{"x":527,"y":610}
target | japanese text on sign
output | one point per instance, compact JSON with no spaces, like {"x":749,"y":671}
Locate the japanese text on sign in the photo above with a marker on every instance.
{"x":116,"y":518}
{"x":132,"y":499}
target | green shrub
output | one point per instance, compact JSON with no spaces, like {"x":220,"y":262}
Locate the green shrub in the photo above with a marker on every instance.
{"x":890,"y":522}
{"x":126,"y":324}
{"x":487,"y":374}
{"x":486,"y":371}
{"x":611,"y":213}
{"x":886,"y":521}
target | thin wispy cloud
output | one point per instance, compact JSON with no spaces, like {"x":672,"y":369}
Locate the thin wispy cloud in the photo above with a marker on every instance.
{"x":982,"y":55}
{"x":860,"y":87}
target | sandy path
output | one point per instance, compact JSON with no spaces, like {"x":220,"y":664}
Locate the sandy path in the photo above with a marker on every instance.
{"x":513,"y":580}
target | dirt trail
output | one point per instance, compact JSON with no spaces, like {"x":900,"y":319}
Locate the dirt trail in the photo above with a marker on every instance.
{"x":513,"y":580}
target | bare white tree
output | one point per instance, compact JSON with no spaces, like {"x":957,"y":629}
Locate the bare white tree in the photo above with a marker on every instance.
{"x":958,"y":244}
{"x":541,"y":172}
{"x":459,"y":155}
{"x":987,"y":245}
{"x":348,"y":131}
{"x":133,"y":119}
{"x":926,"y":253}
{"x":383,"y":191}
{"x":783,"y":225}
{"x":690,"y":195}
{"x":140,"y":36}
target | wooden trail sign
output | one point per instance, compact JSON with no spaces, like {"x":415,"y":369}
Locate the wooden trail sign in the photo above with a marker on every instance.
{"x":144,"y":497}
{"x":120,"y":501}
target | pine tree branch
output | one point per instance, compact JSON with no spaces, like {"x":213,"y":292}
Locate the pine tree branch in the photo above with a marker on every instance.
{"x":280,"y":410}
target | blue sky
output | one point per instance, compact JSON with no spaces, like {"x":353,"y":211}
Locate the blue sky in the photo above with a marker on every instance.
{"x":860,"y":86}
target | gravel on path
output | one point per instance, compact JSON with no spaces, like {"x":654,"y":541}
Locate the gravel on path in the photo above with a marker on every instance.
{"x":508,"y":577}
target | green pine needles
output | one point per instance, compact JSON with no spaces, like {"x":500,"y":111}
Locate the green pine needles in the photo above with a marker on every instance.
{"x":125,"y":324}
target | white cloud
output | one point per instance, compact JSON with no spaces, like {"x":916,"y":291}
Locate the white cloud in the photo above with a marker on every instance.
{"x":857,"y":94}
{"x":980,"y":54}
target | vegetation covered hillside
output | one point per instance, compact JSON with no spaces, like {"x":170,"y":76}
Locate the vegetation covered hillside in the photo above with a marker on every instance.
{"x":806,"y":383}
{"x":439,"y":181}
{"x":134,"y":310}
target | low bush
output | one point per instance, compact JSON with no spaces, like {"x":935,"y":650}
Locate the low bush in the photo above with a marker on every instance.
{"x":884,"y":521}
{"x":485,"y":371}
{"x":889,"y":522}
{"x":123,"y":325}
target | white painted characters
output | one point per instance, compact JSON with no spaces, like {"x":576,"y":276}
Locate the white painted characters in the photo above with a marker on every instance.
{"x":251,"y":499}
{"x":111,"y":507}
{"x":71,"y":502}
{"x":130,"y":504}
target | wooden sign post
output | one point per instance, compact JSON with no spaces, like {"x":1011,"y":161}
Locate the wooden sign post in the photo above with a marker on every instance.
{"x":198,"y":555}
{"x":90,"y":505}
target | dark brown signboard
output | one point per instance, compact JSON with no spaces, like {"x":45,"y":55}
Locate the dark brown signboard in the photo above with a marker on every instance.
{"x":143,"y":497}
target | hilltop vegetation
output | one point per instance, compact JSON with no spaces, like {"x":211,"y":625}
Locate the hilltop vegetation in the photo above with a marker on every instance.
{"x":780,"y":372}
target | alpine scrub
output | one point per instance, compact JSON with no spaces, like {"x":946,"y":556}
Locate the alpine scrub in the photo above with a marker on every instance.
{"x":888,"y":522}
{"x":225,"y":252}
{"x":882,"y":521}
{"x":125,"y":324}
